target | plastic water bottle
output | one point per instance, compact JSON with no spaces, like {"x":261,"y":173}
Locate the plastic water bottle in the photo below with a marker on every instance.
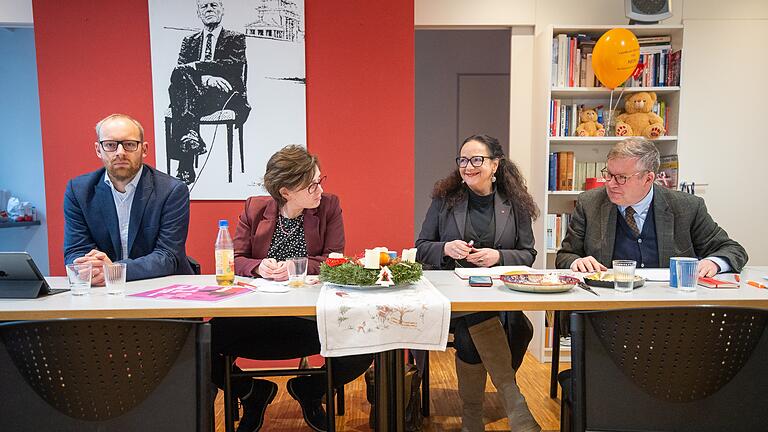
{"x":225,"y":256}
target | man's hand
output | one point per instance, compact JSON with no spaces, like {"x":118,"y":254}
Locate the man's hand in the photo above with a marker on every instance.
{"x":484,"y":257}
{"x":708,"y":268}
{"x":457,"y":249}
{"x":587,"y":264}
{"x":218,"y":82}
{"x":98,"y":260}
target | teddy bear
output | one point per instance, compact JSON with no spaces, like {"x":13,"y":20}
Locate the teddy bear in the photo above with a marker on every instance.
{"x":588,"y":125}
{"x":637,"y":118}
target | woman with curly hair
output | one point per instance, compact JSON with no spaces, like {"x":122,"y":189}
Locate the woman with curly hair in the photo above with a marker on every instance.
{"x":481,"y":217}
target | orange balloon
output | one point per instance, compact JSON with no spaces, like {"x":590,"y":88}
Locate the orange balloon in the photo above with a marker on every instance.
{"x":615,"y":57}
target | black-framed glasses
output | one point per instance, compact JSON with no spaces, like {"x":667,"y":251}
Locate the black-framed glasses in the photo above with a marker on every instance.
{"x":619,"y":178}
{"x":128,"y":145}
{"x":313,"y":186}
{"x":476,"y":161}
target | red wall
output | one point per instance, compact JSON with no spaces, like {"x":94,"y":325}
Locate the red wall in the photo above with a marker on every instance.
{"x":93,"y":59}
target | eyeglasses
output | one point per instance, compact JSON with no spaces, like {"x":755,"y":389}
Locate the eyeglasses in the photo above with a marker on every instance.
{"x":128,"y":145}
{"x":476,"y":161}
{"x":312,"y":188}
{"x":620,"y":179}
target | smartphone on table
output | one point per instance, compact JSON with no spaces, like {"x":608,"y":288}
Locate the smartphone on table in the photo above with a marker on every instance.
{"x":480,"y":281}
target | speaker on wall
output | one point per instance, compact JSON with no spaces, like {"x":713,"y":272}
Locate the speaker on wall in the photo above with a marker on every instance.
{"x":647,"y":11}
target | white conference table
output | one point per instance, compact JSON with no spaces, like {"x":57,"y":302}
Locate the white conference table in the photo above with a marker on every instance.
{"x":301,"y":302}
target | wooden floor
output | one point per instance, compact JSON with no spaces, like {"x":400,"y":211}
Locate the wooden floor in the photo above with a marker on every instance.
{"x":284,"y":414}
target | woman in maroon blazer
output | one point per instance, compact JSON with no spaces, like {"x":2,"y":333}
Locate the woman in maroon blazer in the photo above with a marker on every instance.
{"x":296,"y":220}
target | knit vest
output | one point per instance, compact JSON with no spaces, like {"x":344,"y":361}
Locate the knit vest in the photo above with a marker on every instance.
{"x":643,"y":249}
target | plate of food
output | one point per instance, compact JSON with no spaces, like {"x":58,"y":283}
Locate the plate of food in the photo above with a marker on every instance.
{"x":605,"y":280}
{"x":539,"y":282}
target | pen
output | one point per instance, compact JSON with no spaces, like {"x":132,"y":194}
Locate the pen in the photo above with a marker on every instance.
{"x":245,"y":284}
{"x":737,"y":277}
{"x":756,"y":284}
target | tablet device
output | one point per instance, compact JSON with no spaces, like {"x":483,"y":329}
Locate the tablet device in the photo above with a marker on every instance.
{"x":20,"y":277}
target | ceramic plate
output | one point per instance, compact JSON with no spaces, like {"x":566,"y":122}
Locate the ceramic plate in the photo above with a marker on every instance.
{"x":536,"y":283}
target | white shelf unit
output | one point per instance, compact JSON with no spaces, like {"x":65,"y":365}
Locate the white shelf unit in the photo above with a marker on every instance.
{"x":586,"y":149}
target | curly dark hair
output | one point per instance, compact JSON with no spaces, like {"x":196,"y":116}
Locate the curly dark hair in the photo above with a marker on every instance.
{"x":509,"y":181}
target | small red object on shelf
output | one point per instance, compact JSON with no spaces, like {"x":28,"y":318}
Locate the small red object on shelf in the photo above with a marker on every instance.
{"x":593,"y":182}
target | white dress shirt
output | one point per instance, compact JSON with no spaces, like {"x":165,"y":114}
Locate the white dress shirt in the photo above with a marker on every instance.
{"x":123,"y":203}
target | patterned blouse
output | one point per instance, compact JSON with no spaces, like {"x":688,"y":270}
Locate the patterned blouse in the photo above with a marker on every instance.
{"x":288,"y":239}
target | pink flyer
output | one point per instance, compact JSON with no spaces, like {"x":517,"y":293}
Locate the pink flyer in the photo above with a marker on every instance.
{"x":193,"y":292}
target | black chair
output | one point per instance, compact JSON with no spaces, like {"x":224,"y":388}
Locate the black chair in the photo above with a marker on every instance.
{"x":226,"y":117}
{"x":230,"y":404}
{"x":105,"y":375}
{"x":668,"y":369}
{"x":519,"y":333}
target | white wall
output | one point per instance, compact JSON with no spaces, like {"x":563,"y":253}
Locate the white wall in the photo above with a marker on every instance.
{"x":15,"y":13}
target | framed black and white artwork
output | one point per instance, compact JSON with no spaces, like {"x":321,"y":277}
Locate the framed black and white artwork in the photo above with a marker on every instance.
{"x":229,"y":90}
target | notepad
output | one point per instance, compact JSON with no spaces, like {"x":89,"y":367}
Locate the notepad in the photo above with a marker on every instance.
{"x":716,"y":283}
{"x":494,"y":272}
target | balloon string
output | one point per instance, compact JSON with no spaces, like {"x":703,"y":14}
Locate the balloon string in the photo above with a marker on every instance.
{"x":611,"y":107}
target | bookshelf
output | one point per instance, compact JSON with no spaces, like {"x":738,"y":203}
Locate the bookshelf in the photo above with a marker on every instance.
{"x":589,"y":150}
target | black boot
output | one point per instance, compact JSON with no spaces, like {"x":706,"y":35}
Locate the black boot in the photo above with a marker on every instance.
{"x":255,"y":403}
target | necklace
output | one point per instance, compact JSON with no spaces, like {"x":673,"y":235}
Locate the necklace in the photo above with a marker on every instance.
{"x":290,"y":232}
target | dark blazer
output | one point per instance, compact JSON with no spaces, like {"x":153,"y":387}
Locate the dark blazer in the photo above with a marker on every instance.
{"x":228,"y":57}
{"x":157,"y":232}
{"x":514,"y":235}
{"x":323,"y":232}
{"x":683,"y":228}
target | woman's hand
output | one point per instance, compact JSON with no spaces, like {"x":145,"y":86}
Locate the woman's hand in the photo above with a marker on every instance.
{"x":281,"y":272}
{"x":267,"y":267}
{"x":484,"y":257}
{"x":457,"y":249}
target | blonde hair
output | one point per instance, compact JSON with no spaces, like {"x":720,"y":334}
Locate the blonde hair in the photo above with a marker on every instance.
{"x":119,"y":116}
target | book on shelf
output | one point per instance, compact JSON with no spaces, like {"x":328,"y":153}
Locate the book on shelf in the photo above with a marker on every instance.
{"x":572,"y":62}
{"x":557,"y":228}
{"x":668,"y":169}
{"x":567,"y":174}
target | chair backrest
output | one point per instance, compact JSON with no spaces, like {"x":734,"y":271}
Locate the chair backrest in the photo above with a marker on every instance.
{"x":670,"y":369}
{"x":105,"y":375}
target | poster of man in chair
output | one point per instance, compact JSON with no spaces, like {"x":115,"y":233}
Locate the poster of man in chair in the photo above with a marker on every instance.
{"x":229,"y":90}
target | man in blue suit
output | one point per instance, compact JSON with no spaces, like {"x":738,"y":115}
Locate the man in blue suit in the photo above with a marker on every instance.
{"x":127,"y":211}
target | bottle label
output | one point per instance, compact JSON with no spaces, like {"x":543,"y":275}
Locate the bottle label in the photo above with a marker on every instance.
{"x":225,"y":262}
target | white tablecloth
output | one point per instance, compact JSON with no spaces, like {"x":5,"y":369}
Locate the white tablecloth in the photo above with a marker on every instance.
{"x":357,"y":321}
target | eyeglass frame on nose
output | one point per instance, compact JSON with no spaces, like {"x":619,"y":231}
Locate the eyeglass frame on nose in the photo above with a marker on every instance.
{"x":118,"y":144}
{"x":312,"y":187}
{"x":463,"y":162}
{"x":607,"y":176}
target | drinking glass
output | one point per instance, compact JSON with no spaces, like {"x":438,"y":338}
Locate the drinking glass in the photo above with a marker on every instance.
{"x":297,"y":271}
{"x":79,"y":276}
{"x":687,"y":274}
{"x":624,"y":275}
{"x":114,"y":276}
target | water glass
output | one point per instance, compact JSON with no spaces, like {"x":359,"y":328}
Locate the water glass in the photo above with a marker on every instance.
{"x":114,"y":276}
{"x":624,"y":275}
{"x":687,"y":273}
{"x":297,"y":271}
{"x":79,"y":276}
